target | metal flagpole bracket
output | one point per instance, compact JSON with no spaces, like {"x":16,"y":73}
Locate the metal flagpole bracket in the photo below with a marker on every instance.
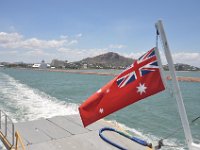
{"x":178,"y":95}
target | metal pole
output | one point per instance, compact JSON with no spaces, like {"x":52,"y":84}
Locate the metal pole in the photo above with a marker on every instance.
{"x":13,"y":134}
{"x":5,"y":125}
{"x":0,"y":119}
{"x":179,"y":99}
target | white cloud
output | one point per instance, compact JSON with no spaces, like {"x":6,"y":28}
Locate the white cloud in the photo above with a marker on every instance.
{"x":117,"y":46}
{"x":78,"y":54}
{"x":133,"y":55}
{"x":6,"y":38}
{"x":16,"y":40}
{"x":14,"y":46}
{"x":182,"y":57}
{"x":187,"y":58}
{"x":36,"y":52}
{"x":72,"y":42}
{"x":42,"y":44}
{"x":64,"y":36}
{"x":79,"y":35}
{"x":13,"y":52}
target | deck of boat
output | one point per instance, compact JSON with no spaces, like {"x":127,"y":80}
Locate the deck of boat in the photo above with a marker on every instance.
{"x":67,"y":132}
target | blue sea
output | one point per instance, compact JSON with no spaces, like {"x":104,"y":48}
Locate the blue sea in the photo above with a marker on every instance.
{"x":30,"y":95}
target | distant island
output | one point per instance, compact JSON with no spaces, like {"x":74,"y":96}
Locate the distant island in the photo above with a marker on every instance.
{"x":108,"y":60}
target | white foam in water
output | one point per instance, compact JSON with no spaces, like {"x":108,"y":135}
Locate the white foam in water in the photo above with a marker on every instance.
{"x":150,"y":138}
{"x":31,"y":104}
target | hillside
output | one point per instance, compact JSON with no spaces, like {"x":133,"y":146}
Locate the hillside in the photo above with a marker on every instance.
{"x":108,"y":60}
{"x":113,"y":60}
{"x":182,"y":67}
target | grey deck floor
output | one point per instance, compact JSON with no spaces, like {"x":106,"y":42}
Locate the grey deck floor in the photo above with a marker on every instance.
{"x":67,"y":133}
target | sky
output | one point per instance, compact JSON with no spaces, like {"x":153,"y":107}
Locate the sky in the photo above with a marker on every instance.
{"x":35,"y":30}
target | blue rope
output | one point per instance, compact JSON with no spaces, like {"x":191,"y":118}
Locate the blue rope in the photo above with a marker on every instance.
{"x":137,"y":140}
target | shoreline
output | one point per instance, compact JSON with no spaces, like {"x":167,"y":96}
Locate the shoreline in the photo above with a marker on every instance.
{"x":187,"y":79}
{"x":89,"y":72}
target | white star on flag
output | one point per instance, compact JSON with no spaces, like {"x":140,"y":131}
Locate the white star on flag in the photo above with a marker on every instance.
{"x":108,"y":90}
{"x":101,"y":110}
{"x":99,"y":91}
{"x":141,"y":89}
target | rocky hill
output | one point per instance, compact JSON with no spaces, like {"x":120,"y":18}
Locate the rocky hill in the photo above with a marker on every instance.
{"x":109,"y":60}
{"x":113,"y":60}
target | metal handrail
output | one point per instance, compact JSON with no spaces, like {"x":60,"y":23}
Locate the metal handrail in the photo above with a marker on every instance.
{"x":18,"y":138}
{"x":6,"y":129}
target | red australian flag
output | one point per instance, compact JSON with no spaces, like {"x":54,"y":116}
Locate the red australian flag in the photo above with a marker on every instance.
{"x":138,"y":81}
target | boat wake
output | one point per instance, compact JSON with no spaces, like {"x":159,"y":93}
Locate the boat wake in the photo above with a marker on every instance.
{"x":24,"y":103}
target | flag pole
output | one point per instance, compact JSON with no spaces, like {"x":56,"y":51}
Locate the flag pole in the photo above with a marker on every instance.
{"x":179,"y":99}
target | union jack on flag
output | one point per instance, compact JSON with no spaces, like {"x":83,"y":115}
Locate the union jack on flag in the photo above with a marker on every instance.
{"x":145,"y":64}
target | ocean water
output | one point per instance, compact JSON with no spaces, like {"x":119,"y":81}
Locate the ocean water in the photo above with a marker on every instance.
{"x":30,"y":95}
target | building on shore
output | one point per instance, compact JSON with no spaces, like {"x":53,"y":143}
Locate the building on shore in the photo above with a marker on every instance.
{"x":85,"y":66}
{"x":58,"y":63}
{"x":36,"y":66}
